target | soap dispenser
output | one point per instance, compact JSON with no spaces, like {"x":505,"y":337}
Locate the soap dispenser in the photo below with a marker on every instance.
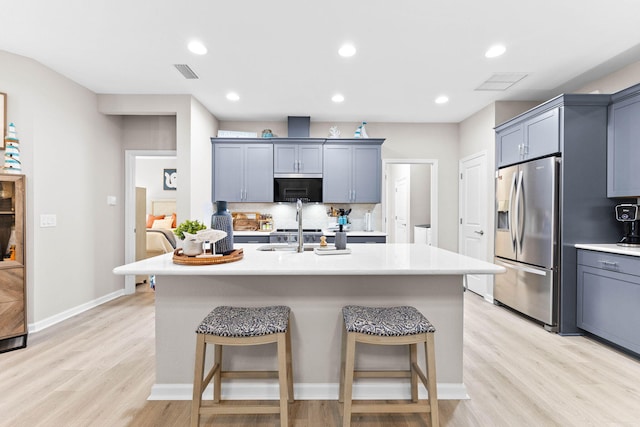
{"x":341,"y":236}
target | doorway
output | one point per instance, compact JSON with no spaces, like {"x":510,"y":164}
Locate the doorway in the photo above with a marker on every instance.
{"x":473,"y":225}
{"x":421,"y":188}
{"x":130,"y":160}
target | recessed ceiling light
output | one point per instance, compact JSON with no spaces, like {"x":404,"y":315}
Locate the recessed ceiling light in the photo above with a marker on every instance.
{"x":495,"y":51}
{"x":347,"y":50}
{"x":197,"y":47}
{"x":442,"y":99}
{"x":337,"y":98}
{"x":232,"y":96}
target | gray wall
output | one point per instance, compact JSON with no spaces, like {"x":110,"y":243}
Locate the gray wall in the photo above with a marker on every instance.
{"x":72,"y":158}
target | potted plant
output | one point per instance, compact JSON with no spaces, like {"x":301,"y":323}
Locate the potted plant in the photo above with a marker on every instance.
{"x":186,"y":231}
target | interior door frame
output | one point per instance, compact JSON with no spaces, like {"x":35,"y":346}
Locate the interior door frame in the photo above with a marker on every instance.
{"x":130,"y":208}
{"x":434,"y":193}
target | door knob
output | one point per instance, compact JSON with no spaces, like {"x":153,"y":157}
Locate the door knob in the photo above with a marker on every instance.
{"x":479,"y":232}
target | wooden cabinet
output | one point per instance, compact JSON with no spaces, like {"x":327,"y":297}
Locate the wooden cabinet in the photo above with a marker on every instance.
{"x":534,"y":137}
{"x":623,"y":141}
{"x":13,"y":318}
{"x":352,"y":171}
{"x":608,"y":297}
{"x":242,"y":171}
{"x":297,"y":157}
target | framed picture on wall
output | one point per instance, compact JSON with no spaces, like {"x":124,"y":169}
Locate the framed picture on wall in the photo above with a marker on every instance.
{"x":170,"y":179}
{"x":3,"y":119}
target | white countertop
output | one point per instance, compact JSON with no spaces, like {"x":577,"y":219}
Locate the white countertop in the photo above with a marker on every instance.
{"x":325,"y":232}
{"x":611,"y":248}
{"x":365,"y":259}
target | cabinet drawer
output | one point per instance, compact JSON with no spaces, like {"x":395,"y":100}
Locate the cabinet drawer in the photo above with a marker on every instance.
{"x":611,"y":262}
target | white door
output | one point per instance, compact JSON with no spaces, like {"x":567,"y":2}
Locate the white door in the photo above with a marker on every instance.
{"x":474,"y":229}
{"x":401,"y":210}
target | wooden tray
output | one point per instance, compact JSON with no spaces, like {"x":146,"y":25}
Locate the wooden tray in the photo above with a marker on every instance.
{"x":179,"y":258}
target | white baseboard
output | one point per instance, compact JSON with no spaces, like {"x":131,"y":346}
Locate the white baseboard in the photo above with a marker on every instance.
{"x":307,"y":391}
{"x":57,"y":318}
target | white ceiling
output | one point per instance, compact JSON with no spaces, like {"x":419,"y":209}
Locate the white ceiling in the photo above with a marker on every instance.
{"x":281,"y":57}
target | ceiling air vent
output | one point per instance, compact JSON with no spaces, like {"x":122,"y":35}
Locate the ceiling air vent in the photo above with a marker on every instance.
{"x":501,"y":81}
{"x":186,"y":71}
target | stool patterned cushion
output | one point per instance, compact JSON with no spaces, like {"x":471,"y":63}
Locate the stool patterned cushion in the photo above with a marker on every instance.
{"x":225,"y":321}
{"x":385,"y":321}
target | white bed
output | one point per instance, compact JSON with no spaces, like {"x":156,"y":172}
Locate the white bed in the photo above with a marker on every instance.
{"x":160,"y":237}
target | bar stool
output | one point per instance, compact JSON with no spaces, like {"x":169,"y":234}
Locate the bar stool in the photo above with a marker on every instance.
{"x":403,"y":325}
{"x":242,"y":326}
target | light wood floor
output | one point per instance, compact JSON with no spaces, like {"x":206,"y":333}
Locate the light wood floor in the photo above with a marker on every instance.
{"x":97,"y":369}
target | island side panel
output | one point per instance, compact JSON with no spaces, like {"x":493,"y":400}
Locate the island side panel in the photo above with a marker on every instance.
{"x":183,"y":301}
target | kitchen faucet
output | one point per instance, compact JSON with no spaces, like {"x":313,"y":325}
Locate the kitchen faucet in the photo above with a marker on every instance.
{"x":299,"y":218}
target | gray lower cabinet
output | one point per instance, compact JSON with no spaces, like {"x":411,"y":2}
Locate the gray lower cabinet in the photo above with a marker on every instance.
{"x":297,"y":158}
{"x":609,"y":297}
{"x":534,"y":137}
{"x":623,"y":147}
{"x":243,"y":172}
{"x":251,"y":239}
{"x":360,"y":239}
{"x":352,"y":172}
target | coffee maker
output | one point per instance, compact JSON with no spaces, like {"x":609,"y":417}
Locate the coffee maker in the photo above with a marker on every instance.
{"x":628,"y":215}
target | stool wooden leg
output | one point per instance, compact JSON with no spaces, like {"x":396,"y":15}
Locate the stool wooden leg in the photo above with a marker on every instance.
{"x":197,"y":380}
{"x":348,"y":379}
{"x":217,"y":377}
{"x":289,"y":367}
{"x":430,"y":354}
{"x":343,"y":350}
{"x":283,"y":380}
{"x":413,"y":361}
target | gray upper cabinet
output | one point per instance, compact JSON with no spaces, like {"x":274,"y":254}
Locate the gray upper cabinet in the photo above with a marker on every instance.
{"x":531,"y":138}
{"x":297,"y":158}
{"x":352,"y":171}
{"x":623,"y":141}
{"x":242,"y":172}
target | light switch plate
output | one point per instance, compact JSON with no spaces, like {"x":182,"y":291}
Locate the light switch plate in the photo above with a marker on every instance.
{"x":48,"y":220}
{"x":111,"y":200}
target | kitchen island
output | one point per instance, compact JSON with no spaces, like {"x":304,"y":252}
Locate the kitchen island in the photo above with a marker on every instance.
{"x":315,"y":287}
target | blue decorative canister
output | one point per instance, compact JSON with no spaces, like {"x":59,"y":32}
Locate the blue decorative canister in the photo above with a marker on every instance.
{"x":222,"y":220}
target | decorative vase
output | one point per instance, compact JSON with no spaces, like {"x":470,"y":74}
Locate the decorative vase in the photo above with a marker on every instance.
{"x":190,"y":245}
{"x":222,"y":220}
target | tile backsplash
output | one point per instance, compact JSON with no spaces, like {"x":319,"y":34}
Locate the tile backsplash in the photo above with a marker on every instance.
{"x":314,"y":215}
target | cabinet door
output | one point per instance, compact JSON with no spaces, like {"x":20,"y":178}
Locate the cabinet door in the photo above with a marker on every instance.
{"x":336,"y":174}
{"x":367,"y":167}
{"x":12,"y":310}
{"x":310,"y":158}
{"x":258,"y":176}
{"x":542,"y":134}
{"x":623,"y":149}
{"x":509,"y":143}
{"x":608,"y":305}
{"x":228,"y":172}
{"x":285,"y":158}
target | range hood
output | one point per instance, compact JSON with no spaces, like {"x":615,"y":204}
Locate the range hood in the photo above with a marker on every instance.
{"x":298,"y":126}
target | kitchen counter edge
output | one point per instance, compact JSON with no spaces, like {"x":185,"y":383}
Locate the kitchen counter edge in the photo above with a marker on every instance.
{"x":611,"y":248}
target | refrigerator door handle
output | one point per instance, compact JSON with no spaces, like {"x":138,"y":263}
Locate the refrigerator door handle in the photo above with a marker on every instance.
{"x":512,"y":223}
{"x":519,"y":200}
{"x":522,"y":268}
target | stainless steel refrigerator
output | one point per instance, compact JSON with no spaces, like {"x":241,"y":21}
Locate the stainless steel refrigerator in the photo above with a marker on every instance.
{"x":526,"y":240}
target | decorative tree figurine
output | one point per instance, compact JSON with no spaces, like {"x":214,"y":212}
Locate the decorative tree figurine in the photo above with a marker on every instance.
{"x":12,"y":152}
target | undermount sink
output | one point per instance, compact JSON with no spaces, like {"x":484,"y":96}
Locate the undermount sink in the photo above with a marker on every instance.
{"x":285,"y":247}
